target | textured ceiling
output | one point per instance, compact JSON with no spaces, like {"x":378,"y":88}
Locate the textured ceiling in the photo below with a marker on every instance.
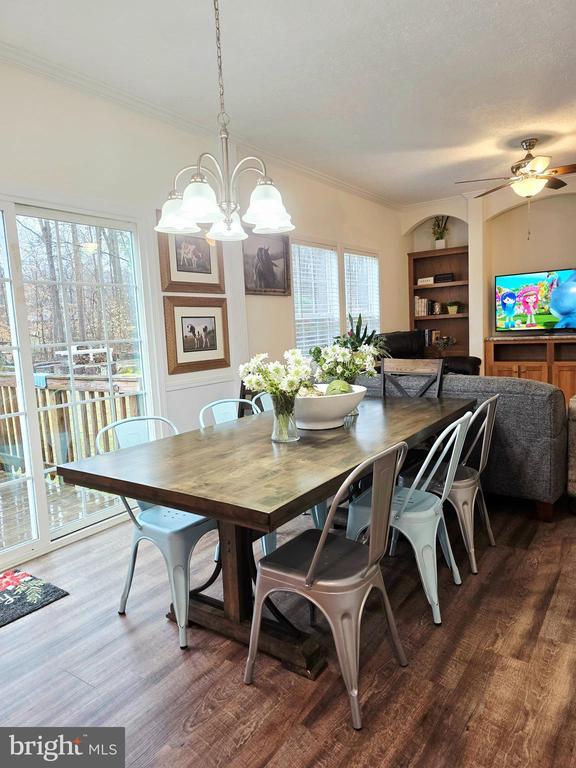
{"x":398,"y":97}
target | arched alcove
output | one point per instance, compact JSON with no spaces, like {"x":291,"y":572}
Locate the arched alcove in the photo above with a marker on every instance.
{"x":420,"y":238}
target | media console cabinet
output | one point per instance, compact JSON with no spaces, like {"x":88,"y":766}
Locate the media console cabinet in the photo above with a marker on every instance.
{"x":550,"y":358}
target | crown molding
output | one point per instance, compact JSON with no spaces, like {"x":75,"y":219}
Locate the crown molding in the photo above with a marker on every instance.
{"x":37,"y":65}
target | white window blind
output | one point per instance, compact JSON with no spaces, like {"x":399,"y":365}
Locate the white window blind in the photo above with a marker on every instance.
{"x":316,"y":295}
{"x":362,"y":285}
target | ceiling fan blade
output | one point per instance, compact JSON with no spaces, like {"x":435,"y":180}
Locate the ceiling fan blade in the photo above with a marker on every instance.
{"x":538,"y":164}
{"x":562,"y":169}
{"x":491,"y":178}
{"x":494,"y":189}
{"x":555,"y":183}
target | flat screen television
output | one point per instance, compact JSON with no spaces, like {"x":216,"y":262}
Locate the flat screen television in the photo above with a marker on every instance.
{"x":536,"y":301}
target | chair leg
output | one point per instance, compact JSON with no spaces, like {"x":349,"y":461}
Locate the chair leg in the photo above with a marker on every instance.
{"x":268,"y":543}
{"x":319,"y":513}
{"x":463,"y":503}
{"x":423,"y":541}
{"x":484,"y":510}
{"x":259,"y":597}
{"x":393,"y":541}
{"x":447,"y":550}
{"x":179,"y":576}
{"x":346,"y":632}
{"x":391,"y":622}
{"x":129,"y":576}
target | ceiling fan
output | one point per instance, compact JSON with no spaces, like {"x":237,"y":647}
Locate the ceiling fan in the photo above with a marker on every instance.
{"x":530,"y":175}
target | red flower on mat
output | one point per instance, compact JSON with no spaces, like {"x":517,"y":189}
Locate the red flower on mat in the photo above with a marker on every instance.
{"x":12,"y":579}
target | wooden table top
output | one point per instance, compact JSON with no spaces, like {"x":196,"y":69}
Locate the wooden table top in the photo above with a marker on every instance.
{"x":235,"y":473}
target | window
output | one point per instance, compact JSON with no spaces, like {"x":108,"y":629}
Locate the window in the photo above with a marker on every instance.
{"x":316,"y":295}
{"x":362,"y":286}
{"x":83,"y":329}
{"x":70,"y":363}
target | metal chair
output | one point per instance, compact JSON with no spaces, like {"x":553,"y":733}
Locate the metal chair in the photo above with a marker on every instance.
{"x":336,"y":574}
{"x":223,"y":411}
{"x":430,"y":370}
{"x":264,"y":401}
{"x":417,"y":513}
{"x":175,"y":533}
{"x":467,"y":488}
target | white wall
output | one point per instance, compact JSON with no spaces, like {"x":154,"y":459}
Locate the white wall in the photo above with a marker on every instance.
{"x":68,"y":149}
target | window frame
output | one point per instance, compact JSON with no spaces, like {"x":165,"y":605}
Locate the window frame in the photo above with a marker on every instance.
{"x":347,"y":251}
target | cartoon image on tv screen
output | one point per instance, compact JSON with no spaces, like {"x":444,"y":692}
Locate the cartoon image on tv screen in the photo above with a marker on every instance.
{"x":536,"y":301}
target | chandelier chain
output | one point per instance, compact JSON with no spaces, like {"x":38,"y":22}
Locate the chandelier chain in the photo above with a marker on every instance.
{"x":223,"y":118}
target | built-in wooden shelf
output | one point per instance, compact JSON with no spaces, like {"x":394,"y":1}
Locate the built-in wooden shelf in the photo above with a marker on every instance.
{"x":440,"y":285}
{"x":460,"y":315}
{"x":436,"y":262}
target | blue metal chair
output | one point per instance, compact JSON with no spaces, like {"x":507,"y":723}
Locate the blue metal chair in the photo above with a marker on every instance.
{"x":264,"y":401}
{"x":417,"y":513}
{"x":175,"y":533}
{"x":227,"y":410}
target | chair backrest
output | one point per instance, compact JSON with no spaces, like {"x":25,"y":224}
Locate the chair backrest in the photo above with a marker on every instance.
{"x":442,"y":460}
{"x":225,"y":410}
{"x":481,"y":426}
{"x":264,"y":401}
{"x":128,"y":433}
{"x":385,"y":467}
{"x":429,"y":370}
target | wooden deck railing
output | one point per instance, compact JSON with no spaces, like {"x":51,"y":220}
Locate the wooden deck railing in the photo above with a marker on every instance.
{"x":93,"y":409}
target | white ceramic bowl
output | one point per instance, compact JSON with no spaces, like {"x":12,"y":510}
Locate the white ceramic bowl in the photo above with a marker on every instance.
{"x":328,"y":411}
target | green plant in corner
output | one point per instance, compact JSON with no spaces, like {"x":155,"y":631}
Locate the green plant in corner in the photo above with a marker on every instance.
{"x":440,"y":227}
{"x":357,"y":336}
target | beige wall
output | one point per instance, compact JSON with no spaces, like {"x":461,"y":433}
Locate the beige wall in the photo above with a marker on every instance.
{"x":552,"y":243}
{"x":324,"y":214}
{"x":421,"y":238}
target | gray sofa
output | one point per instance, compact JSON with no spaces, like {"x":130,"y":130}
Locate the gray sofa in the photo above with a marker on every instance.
{"x":529,"y":448}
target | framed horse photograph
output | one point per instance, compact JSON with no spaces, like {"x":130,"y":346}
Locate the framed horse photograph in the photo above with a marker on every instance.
{"x":190,"y":263}
{"x":267,"y":265}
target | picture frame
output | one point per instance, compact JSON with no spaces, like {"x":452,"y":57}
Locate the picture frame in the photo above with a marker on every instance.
{"x":196,"y":333}
{"x":266,"y":265}
{"x":188,"y":263}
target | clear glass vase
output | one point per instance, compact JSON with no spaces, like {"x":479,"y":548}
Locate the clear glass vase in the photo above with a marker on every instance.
{"x":284,"y":429}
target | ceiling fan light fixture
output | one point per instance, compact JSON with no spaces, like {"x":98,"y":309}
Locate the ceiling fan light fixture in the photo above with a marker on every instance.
{"x":528,"y":186}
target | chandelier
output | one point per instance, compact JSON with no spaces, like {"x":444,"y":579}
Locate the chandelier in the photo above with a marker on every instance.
{"x":199,"y":203}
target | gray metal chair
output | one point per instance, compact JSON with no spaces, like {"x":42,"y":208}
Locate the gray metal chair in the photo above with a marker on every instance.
{"x":336,"y":574}
{"x":175,"y":533}
{"x":466,"y":487}
{"x":417,"y":513}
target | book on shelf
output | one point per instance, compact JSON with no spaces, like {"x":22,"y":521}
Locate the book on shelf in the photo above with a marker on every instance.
{"x":422,"y":307}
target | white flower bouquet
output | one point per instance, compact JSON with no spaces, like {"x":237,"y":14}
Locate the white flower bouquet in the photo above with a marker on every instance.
{"x":282,"y":381}
{"x":338,"y":362}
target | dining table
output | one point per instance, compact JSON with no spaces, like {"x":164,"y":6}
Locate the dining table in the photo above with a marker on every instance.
{"x":234,"y":473}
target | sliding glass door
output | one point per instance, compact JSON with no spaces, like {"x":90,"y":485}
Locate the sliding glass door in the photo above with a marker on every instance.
{"x":77,"y":320}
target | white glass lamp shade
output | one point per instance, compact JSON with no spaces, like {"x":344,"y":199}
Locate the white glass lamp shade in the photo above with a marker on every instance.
{"x":529,"y":186}
{"x":173,"y":221}
{"x":199,"y":202}
{"x":266,"y":208}
{"x":275,"y":226}
{"x":232,"y":234}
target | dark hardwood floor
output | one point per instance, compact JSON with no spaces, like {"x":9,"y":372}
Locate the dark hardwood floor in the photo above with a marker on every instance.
{"x":493,"y":687}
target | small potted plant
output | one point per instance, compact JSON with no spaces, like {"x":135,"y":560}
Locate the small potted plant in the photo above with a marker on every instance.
{"x":439,"y":230}
{"x":453,"y":307}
